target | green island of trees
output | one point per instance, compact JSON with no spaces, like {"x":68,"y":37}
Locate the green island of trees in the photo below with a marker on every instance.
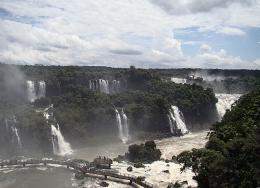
{"x":141,"y":153}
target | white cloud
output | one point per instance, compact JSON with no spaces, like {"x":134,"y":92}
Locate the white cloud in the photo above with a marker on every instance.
{"x":231,"y":31}
{"x":207,"y":57}
{"x":257,"y":63}
{"x":204,"y":48}
{"x":117,"y":32}
{"x":196,"y":6}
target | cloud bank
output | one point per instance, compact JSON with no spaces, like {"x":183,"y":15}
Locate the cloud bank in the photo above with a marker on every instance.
{"x":120,"y":33}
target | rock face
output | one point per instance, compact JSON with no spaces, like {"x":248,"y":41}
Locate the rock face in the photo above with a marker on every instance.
{"x":104,"y":184}
{"x":129,"y":169}
{"x":79,"y":176}
{"x":166,"y":171}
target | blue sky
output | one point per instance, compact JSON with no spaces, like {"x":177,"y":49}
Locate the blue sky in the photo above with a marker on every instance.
{"x":120,"y":33}
{"x":246,"y":46}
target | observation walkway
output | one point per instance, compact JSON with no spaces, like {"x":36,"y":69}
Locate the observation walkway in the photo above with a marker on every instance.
{"x":80,"y":167}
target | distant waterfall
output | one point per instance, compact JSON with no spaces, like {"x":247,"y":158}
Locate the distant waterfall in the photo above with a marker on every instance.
{"x":35,"y":92}
{"x":178,"y":80}
{"x":122,"y":124}
{"x":42,"y":89}
{"x":31,"y":91}
{"x":105,"y":86}
{"x":115,"y":87}
{"x":176,"y":121}
{"x":59,"y":144}
{"x":225,"y":102}
{"x":119,"y":124}
{"x":12,"y":132}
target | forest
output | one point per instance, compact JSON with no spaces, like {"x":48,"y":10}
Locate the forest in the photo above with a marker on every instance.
{"x":84,"y":111}
{"x":232,"y":155}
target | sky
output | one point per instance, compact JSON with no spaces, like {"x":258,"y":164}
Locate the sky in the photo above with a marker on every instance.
{"x":118,"y":33}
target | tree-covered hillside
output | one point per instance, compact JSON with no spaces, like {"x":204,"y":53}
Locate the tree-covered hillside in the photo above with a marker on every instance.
{"x":231,"y":157}
{"x":85,"y":109}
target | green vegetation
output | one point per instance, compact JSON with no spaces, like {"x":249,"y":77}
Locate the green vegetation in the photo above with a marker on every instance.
{"x":144,"y":153}
{"x":145,"y":98}
{"x":84,"y":114}
{"x":231,"y":157}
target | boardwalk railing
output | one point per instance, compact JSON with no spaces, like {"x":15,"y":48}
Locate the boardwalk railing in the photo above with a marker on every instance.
{"x":80,"y":167}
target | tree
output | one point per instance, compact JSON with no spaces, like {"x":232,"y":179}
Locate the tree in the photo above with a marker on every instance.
{"x":231,"y":157}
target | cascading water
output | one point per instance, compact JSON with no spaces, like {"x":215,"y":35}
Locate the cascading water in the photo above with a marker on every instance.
{"x":122,"y":124}
{"x":104,"y":86}
{"x":115,"y":86}
{"x":31,"y":91}
{"x":60,"y":145}
{"x":225,"y":102}
{"x":42,"y":89}
{"x":176,"y":120}
{"x":12,"y":131}
{"x":171,"y":122}
{"x":125,"y":124}
{"x":119,"y":125}
{"x":16,"y":134}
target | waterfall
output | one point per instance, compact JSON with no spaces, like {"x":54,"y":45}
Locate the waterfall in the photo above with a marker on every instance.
{"x":115,"y":88}
{"x":60,"y":145}
{"x":42,"y":89}
{"x":122,"y":124}
{"x":104,"y":86}
{"x":178,"y":80}
{"x":91,"y":85}
{"x":225,"y":102}
{"x":119,"y":125}
{"x":31,"y":91}
{"x":17,"y":137}
{"x":176,"y":120}
{"x":171,"y":122}
{"x":12,"y":131}
{"x":125,"y":124}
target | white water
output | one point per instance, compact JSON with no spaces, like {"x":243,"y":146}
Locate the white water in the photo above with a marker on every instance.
{"x":154,"y":174}
{"x":16,"y":134}
{"x":60,"y":146}
{"x":122,"y":124}
{"x":13,"y":131}
{"x":171,"y":122}
{"x":125,"y":124}
{"x":99,"y":85}
{"x":91,"y":85}
{"x":42,"y":89}
{"x":178,"y":80}
{"x":119,"y":125}
{"x":176,"y":118}
{"x":115,"y":88}
{"x":31,"y":91}
{"x":105,"y":86}
{"x":225,"y":102}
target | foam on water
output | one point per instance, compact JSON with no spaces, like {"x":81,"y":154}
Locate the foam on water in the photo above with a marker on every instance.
{"x":225,"y":102}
